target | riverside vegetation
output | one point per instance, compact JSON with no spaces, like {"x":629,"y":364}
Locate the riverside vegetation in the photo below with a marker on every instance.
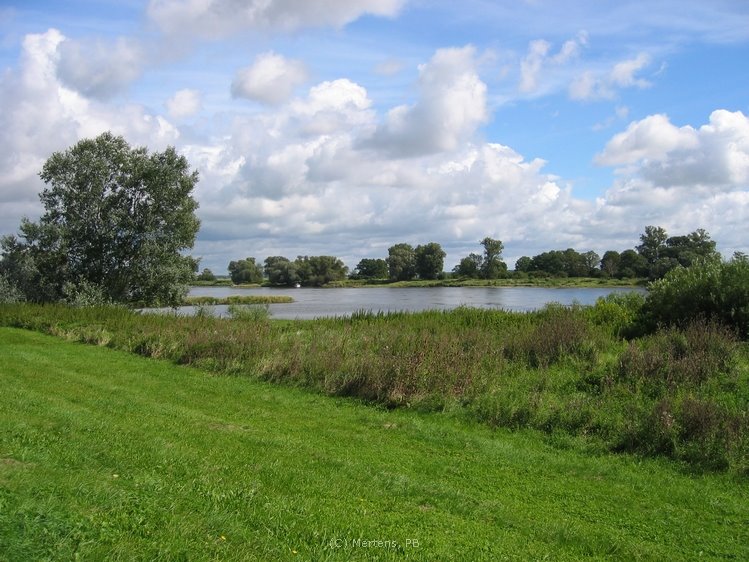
{"x":650,"y":376}
{"x":109,"y":456}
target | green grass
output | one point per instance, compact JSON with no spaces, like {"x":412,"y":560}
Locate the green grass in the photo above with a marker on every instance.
{"x":105,"y":455}
{"x":679,"y":393}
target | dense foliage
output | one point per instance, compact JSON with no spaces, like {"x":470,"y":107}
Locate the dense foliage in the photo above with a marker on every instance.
{"x":369,"y":268}
{"x":116,"y":222}
{"x":245,"y":271}
{"x":712,"y":289}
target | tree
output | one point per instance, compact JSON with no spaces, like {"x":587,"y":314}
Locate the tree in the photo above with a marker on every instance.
{"x":280,"y":271}
{"x":469,"y":266}
{"x":652,"y":244}
{"x":610,"y":263}
{"x":117,"y":221}
{"x":632,"y":264}
{"x":245,"y":271}
{"x":429,"y":260}
{"x":493,"y":267}
{"x":401,"y":262}
{"x":319,"y":270}
{"x":524,"y":264}
{"x":371,"y":269}
{"x":206,"y":275}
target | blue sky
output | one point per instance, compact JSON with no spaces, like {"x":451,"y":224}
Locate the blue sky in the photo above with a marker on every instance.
{"x":345,"y":126}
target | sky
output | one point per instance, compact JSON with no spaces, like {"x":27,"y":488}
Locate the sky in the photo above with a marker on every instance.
{"x":343,"y":127}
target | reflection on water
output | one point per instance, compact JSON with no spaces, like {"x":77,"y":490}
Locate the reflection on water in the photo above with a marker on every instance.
{"x":315,"y":303}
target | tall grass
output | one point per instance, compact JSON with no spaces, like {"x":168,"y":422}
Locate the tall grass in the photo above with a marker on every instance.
{"x":681,"y":392}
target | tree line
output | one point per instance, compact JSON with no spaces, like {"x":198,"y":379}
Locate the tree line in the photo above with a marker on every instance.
{"x":656,"y":255}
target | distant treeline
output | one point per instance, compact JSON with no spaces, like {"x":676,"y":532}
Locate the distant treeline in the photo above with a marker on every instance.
{"x":656,"y":255}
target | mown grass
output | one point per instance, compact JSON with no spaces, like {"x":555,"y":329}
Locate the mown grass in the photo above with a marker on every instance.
{"x":104,"y":455}
{"x":680,"y":393}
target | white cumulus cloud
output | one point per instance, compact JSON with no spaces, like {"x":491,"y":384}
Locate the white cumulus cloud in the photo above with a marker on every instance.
{"x":270,"y":79}
{"x":451,"y":105}
{"x":184,"y":103}
{"x":99,"y":68}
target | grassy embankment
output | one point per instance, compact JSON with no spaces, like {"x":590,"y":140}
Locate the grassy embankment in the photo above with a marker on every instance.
{"x":682,"y":394}
{"x":104,"y":455}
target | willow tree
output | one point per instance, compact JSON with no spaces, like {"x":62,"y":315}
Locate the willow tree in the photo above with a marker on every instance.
{"x":117,"y":222}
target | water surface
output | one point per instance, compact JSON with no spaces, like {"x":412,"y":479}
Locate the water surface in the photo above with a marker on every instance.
{"x":314,"y":303}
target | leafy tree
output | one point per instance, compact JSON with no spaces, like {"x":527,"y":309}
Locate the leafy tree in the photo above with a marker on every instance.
{"x":245,"y":271}
{"x":401,"y":262}
{"x":429,"y":260}
{"x":116,"y":219}
{"x":492,"y":266}
{"x":371,"y":269}
{"x":281,"y":271}
{"x":610,"y":263}
{"x":319,"y":270}
{"x":632,"y":264}
{"x":206,"y":275}
{"x":652,"y":244}
{"x":470,"y":266}
{"x":523,"y":264}
{"x":664,"y":253}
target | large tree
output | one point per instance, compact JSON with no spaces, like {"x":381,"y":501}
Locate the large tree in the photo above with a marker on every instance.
{"x":492,"y":266}
{"x":429,"y":260}
{"x":281,"y":271}
{"x":401,"y":262}
{"x":320,"y":270}
{"x":371,"y":268}
{"x":116,"y":223}
{"x":469,"y":266}
{"x":245,"y":271}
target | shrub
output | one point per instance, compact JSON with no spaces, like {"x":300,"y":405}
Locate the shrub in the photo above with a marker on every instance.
{"x":710,"y":289}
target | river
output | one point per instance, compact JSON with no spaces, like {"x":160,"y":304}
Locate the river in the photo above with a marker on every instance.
{"x":315,"y":303}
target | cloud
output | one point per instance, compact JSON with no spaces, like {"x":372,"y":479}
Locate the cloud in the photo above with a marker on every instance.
{"x":591,"y":85}
{"x":451,"y":105}
{"x":538,"y":59}
{"x":681,"y":177}
{"x":184,"y":103}
{"x":715,"y":156}
{"x":270,"y":79}
{"x":220,"y":18}
{"x":42,"y":114}
{"x":98,"y":68}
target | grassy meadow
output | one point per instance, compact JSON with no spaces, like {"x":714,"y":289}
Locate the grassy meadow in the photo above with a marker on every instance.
{"x":106,"y":455}
{"x":568,"y":372}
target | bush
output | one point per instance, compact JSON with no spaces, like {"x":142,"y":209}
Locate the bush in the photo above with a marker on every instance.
{"x":710,"y":289}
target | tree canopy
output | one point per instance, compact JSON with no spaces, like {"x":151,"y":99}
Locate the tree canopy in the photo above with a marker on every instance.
{"x":116,"y":223}
{"x":401,"y":262}
{"x":245,"y":271}
{"x":429,"y":260}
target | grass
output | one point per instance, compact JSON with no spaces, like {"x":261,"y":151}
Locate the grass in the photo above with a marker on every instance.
{"x":105,"y":455}
{"x":680,"y":393}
